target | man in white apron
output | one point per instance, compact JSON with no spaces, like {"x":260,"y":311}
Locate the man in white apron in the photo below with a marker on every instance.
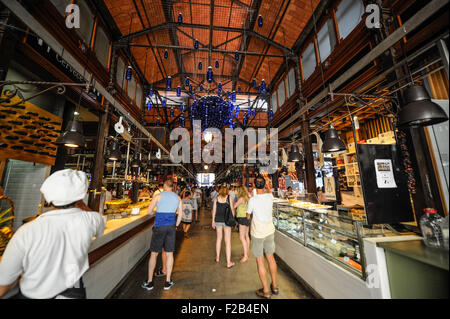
{"x":49,"y":255}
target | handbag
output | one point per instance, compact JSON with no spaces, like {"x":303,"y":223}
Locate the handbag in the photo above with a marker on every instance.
{"x":73,"y":293}
{"x":229,"y":218}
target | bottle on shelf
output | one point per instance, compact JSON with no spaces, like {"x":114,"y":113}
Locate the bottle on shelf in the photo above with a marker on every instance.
{"x":430,"y":224}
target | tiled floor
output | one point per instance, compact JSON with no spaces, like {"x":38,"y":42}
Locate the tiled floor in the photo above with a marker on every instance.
{"x":197,"y":275}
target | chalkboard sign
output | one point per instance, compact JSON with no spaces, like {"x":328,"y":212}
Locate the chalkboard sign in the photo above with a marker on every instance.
{"x":384,"y":184}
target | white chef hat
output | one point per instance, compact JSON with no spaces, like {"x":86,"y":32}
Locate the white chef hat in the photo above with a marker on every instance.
{"x":65,"y":187}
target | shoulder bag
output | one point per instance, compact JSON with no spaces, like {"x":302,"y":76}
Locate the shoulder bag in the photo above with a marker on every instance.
{"x":229,"y":218}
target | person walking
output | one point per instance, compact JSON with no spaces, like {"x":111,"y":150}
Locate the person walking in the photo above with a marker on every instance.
{"x":50,"y":253}
{"x":189,"y":207}
{"x":244,"y":223}
{"x":197,"y":197}
{"x":222,"y":202}
{"x":260,"y":207}
{"x":161,"y":271}
{"x":167,"y":205}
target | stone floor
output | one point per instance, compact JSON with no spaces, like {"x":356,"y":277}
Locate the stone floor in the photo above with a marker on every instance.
{"x":198,"y":276}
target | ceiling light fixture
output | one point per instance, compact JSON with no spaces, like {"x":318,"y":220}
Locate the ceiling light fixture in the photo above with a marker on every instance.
{"x":332,"y":142}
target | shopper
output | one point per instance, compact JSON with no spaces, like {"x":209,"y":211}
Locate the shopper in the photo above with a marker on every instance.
{"x":50,"y":253}
{"x":260,"y":207}
{"x":189,"y":207}
{"x":197,"y":196}
{"x":222,"y":202}
{"x":161,"y":271}
{"x":243,"y":222}
{"x":167,"y":204}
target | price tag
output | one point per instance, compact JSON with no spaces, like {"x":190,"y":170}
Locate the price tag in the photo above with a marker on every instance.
{"x":135,"y":211}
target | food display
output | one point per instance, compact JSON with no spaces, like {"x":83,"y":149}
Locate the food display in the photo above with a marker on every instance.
{"x":122,"y":208}
{"x":321,"y":229}
{"x":6,"y":234}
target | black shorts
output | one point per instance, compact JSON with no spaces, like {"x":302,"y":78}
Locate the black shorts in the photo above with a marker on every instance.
{"x":243,"y":221}
{"x":163,"y":237}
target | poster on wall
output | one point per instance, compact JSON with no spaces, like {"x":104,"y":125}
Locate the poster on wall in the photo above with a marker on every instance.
{"x":384,"y":173}
{"x":330,"y":188}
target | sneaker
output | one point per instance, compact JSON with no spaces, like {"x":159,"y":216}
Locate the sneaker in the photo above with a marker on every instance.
{"x":147,"y":285}
{"x":169,"y":284}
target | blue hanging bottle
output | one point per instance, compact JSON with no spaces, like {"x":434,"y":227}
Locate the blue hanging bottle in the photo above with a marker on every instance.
{"x":219,"y":88}
{"x":187,"y":81}
{"x":233,"y":97}
{"x":209,"y":75}
{"x":236,"y":56}
{"x":254,"y":83}
{"x":263,"y":86}
{"x":217,"y":64}
{"x":150,"y":93}
{"x":201,"y":88}
{"x":169,"y":83}
{"x":182,"y":107}
{"x":171,"y":111}
{"x":166,"y":54}
{"x":270,"y":115}
{"x":129,"y":73}
{"x":190,"y":88}
{"x":196,"y":44}
{"x":149,"y":105}
{"x":238,"y":110}
{"x":180,"y":18}
{"x":200,"y":65}
{"x":157,"y":122}
{"x":239,"y":89}
{"x":178,"y":91}
{"x":163,"y":102}
{"x":260,"y":21}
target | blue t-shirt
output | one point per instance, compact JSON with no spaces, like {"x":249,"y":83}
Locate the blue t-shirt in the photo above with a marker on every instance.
{"x":166,"y":209}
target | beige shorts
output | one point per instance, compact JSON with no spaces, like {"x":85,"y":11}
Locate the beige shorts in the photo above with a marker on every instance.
{"x":261,"y":246}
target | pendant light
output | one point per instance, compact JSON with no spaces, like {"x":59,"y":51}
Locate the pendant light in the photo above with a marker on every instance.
{"x":419,"y":109}
{"x":135,"y":163}
{"x":254,"y":83}
{"x":166,"y":54}
{"x":180,"y":18}
{"x":149,"y":105}
{"x":187,"y":81}
{"x":236,"y":56}
{"x":332,"y":142}
{"x":200,"y":65}
{"x":73,"y":136}
{"x":169,"y":83}
{"x":178,"y":91}
{"x":114,"y":151}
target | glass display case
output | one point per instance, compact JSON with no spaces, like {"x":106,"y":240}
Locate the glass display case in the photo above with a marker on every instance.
{"x":331,"y":233}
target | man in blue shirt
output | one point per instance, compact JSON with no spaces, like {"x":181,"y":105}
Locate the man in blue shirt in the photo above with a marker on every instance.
{"x":167,"y":204}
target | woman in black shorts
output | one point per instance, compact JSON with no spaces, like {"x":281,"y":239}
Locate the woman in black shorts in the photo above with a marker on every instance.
{"x":244,"y":223}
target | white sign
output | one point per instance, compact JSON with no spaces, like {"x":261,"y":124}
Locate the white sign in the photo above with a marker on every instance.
{"x":330,"y":188}
{"x":385,"y":173}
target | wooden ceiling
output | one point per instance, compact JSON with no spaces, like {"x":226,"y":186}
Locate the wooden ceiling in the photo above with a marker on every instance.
{"x":221,"y":27}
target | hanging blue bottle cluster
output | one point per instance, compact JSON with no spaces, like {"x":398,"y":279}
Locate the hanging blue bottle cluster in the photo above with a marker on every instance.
{"x":260,"y":21}
{"x":209,"y":75}
{"x":178,"y":91}
{"x":219,"y":88}
{"x":180,"y":18}
{"x":213,"y":111}
{"x":166,"y":54}
{"x":254,"y":83}
{"x":217,"y":64}
{"x":129,"y":73}
{"x":196,"y":44}
{"x":169,"y":83}
{"x":200,"y":65}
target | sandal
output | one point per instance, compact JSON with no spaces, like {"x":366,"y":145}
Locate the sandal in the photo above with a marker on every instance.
{"x":262,"y":294}
{"x":275,"y":291}
{"x":159,"y":273}
{"x":232,"y":265}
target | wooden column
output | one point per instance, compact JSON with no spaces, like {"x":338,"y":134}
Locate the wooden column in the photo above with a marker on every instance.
{"x":309,"y":158}
{"x":99,"y":166}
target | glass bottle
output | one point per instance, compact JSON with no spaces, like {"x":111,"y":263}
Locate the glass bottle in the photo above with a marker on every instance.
{"x":444,"y":229}
{"x":430,"y":224}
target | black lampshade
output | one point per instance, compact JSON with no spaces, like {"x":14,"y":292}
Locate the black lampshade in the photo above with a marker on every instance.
{"x":73,"y":136}
{"x":135,"y":162}
{"x":294,"y":155}
{"x":419,"y":110}
{"x":332,"y":142}
{"x":114,"y":151}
